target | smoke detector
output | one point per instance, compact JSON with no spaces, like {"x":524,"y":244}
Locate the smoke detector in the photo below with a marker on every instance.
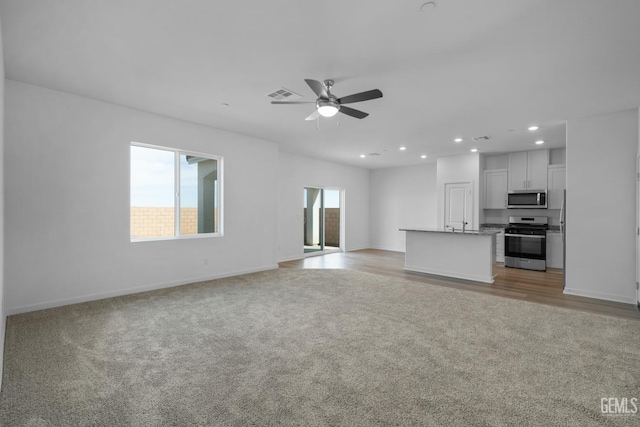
{"x":428,"y":7}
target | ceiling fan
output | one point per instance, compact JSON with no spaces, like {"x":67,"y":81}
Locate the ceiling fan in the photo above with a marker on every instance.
{"x":328,"y":105}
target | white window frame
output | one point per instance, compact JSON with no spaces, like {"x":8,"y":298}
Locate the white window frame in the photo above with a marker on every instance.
{"x":176,"y":206}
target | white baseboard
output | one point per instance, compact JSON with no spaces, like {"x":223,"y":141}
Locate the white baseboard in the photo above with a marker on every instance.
{"x":357,"y":248}
{"x":291,"y":258}
{"x":437,"y":272}
{"x":382,"y":248}
{"x":600,"y":295}
{"x":128,"y":291}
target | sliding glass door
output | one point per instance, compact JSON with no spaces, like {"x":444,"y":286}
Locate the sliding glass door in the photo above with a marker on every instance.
{"x":313,"y":220}
{"x":322,"y":220}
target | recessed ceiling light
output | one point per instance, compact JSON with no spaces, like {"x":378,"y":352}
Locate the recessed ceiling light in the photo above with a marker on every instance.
{"x":362,"y":156}
{"x":403,"y":148}
{"x":458,"y":140}
{"x":424,"y":156}
{"x":473,"y":150}
{"x":533,"y":128}
{"x":540,"y":142}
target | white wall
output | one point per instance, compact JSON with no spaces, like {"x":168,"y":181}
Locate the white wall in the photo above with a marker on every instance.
{"x":67,"y":202}
{"x":601,"y":204}
{"x":295,"y":173}
{"x":3,"y":317}
{"x":401,"y":197}
{"x":454,"y":169}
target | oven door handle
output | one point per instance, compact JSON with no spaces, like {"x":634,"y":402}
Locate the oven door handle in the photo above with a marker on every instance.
{"x":525,"y":235}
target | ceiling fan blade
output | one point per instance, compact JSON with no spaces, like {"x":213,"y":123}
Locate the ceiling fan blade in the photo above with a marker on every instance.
{"x":313,"y":115}
{"x":353,"y":112}
{"x":317,"y":87}
{"x":359,"y":97}
{"x":292,"y":102}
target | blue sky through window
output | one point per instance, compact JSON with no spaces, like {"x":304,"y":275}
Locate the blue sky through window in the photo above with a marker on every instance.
{"x":152,"y":179}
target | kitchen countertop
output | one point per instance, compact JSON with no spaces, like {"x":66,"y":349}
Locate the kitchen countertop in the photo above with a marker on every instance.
{"x":483,"y":226}
{"x":551,"y":228}
{"x":441,"y":230}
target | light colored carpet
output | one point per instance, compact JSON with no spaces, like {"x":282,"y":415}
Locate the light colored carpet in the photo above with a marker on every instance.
{"x":316,"y":347}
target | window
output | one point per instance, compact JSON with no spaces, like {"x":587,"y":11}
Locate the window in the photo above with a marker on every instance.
{"x":174,"y":193}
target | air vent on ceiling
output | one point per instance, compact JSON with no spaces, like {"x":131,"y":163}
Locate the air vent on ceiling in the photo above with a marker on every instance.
{"x":481,"y":138}
{"x":374,"y":154}
{"x":283,"y":93}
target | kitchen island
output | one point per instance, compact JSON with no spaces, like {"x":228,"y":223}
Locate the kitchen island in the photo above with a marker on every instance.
{"x":469,"y":254}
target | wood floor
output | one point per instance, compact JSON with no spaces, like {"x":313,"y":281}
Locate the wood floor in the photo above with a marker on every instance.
{"x":535,"y":286}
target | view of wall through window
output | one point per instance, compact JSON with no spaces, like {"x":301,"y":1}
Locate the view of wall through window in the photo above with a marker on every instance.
{"x":174,"y":193}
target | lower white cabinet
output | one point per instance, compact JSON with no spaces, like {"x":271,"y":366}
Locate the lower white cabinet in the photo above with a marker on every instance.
{"x":554,"y":249}
{"x":499,"y":244}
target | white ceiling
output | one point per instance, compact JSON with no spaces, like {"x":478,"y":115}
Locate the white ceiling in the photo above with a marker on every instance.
{"x":466,"y":68}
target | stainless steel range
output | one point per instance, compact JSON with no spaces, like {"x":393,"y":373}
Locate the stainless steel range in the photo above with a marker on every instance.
{"x":525,"y":242}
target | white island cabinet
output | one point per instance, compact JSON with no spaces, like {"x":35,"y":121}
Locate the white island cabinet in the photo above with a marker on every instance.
{"x":467,"y":255}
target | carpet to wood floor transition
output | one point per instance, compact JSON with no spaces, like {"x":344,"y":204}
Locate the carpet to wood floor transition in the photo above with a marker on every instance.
{"x":317,"y":347}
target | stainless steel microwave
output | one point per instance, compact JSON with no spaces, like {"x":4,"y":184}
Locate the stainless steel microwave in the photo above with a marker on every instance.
{"x":527,"y":199}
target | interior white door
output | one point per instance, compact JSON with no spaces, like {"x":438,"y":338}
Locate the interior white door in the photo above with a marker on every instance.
{"x":458,"y":205}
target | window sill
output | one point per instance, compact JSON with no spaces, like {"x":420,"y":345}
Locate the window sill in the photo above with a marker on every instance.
{"x":185,"y":237}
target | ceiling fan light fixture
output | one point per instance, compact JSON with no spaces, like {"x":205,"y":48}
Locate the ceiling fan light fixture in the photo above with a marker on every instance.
{"x":327,"y":108}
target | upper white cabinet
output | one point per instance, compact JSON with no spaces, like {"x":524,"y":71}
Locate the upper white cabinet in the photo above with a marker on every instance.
{"x":528,"y":170}
{"x":495,"y":189}
{"x":518,"y":171}
{"x":557,"y":182}
{"x":537,"y":163}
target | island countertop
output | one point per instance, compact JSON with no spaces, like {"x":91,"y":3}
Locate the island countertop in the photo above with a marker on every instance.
{"x":442,"y":230}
